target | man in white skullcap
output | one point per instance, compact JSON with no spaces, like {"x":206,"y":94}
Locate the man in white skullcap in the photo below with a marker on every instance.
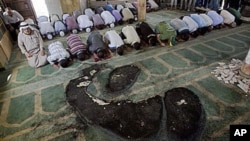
{"x":31,"y":44}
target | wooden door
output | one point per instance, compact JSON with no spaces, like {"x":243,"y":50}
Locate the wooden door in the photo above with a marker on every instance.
{"x":68,"y":6}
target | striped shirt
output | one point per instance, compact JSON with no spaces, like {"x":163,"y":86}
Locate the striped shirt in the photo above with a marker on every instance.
{"x":57,"y":52}
{"x":76,"y":45}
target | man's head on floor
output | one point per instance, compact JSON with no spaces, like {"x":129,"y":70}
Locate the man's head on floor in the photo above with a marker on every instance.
{"x":64,"y":63}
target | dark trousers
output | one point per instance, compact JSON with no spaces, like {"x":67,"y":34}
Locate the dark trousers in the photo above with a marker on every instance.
{"x":202,"y":3}
{"x":13,"y":32}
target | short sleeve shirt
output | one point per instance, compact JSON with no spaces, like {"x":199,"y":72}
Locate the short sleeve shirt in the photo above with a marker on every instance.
{"x":57,"y":52}
{"x":95,"y":41}
{"x":114,"y":39}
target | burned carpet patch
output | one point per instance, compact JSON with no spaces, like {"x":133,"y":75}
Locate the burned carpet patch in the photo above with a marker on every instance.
{"x":185,"y":115}
{"x":178,"y":115}
{"x":122,"y":78}
{"x":127,"y":119}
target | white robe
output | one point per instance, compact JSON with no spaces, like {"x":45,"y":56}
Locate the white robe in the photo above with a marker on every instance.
{"x":32,"y":44}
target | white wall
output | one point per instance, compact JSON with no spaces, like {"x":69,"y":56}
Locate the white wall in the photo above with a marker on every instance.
{"x":83,"y":4}
{"x":48,"y":7}
{"x":40,"y":8}
{"x":54,"y":7}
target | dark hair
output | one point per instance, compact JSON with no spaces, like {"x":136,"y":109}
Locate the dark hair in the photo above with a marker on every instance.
{"x":120,"y":22}
{"x":238,"y":22}
{"x":184,"y":36}
{"x":194,"y":34}
{"x":202,"y":30}
{"x":210,"y":28}
{"x":130,"y":21}
{"x":81,"y":56}
{"x":137,"y":45}
{"x":217,"y":26}
{"x":119,"y":50}
{"x":152,"y":40}
{"x":64,"y":62}
{"x":100,"y":27}
{"x":100,"y":53}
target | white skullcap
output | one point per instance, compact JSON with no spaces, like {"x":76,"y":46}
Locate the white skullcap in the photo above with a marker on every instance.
{"x":62,"y":33}
{"x":49,"y":36}
{"x":88,"y":30}
{"x":112,"y":25}
{"x":74,"y":31}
